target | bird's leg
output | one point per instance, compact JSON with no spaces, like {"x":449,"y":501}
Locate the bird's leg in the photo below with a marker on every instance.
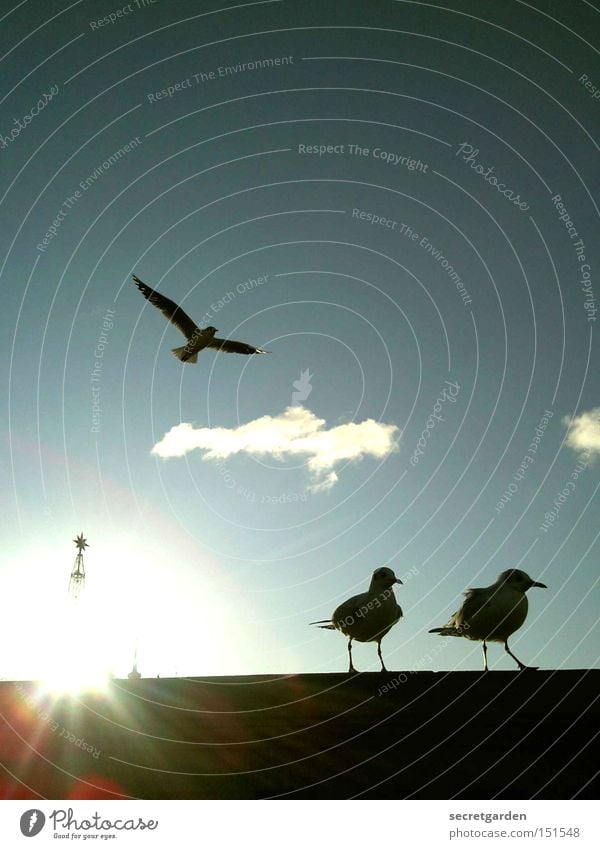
{"x":351,"y":667}
{"x":520,"y":665}
{"x":485,"y":666}
{"x":383,"y":669}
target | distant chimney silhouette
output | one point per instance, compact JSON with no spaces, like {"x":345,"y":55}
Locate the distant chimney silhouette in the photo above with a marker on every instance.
{"x":134,"y":674}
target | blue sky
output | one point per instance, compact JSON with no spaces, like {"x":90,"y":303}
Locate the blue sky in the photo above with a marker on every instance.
{"x":399,"y":201}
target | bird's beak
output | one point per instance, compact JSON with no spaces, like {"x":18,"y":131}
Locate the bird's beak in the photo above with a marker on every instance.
{"x":537,"y":584}
{"x":398,"y":581}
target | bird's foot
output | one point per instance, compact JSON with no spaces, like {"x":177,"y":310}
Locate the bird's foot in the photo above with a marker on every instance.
{"x":523,"y":668}
{"x":352,"y":670}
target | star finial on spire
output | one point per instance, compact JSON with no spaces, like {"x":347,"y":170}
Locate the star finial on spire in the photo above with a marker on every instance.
{"x":81,"y":543}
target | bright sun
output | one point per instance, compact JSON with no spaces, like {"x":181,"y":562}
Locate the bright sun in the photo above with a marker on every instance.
{"x":179,"y":615}
{"x":74,"y":657}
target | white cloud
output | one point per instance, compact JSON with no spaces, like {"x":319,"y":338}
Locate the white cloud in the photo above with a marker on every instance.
{"x":324,"y":484}
{"x":584,"y":431}
{"x":295,"y":432}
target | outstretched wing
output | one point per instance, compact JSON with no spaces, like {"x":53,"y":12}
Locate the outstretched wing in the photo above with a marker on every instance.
{"x":169,"y":309}
{"x":230,"y":346}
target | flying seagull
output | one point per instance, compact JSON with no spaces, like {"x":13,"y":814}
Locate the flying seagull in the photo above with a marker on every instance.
{"x":492,"y":614}
{"x":369,"y":616}
{"x":197,"y":338}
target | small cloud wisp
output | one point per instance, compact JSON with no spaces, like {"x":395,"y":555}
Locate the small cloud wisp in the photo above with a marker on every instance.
{"x":584,"y":432}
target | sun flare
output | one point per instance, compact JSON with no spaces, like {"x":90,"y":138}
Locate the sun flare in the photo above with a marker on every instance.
{"x":75,"y":657}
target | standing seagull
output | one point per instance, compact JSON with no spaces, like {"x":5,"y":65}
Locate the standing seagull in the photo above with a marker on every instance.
{"x":197,"y":339}
{"x":492,"y":614}
{"x":369,"y":616}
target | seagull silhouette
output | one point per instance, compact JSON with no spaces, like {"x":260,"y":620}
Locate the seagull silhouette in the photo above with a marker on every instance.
{"x":369,"y":616}
{"x":197,"y":338}
{"x":492,"y":614}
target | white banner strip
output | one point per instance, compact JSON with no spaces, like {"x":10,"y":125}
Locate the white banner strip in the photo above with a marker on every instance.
{"x":300,"y":823}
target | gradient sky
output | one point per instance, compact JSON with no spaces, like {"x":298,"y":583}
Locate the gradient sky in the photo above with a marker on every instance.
{"x":216,"y":567}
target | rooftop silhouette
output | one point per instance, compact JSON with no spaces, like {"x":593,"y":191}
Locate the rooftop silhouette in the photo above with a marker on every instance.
{"x":466,"y":735}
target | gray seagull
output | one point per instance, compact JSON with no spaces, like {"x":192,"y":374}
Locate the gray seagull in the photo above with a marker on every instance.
{"x":492,"y":614}
{"x":369,"y":616}
{"x":197,"y":338}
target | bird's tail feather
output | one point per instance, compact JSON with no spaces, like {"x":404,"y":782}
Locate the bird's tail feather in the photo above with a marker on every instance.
{"x":183,"y":354}
{"x":324,"y":623}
